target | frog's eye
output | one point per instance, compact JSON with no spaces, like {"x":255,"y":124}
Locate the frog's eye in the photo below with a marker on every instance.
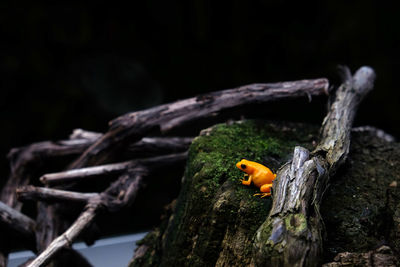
{"x":243,"y":166}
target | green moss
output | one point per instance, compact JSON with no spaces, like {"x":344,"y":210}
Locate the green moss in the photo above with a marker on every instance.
{"x":296,"y":223}
{"x":216,"y":217}
{"x":214,"y":155}
{"x":213,"y":201}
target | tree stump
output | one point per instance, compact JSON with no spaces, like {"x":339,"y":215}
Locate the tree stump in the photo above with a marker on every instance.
{"x":215,"y":218}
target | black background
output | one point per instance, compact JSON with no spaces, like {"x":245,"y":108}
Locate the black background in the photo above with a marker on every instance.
{"x":78,"y":65}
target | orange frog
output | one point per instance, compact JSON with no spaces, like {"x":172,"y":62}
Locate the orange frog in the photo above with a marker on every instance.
{"x":257,"y":173}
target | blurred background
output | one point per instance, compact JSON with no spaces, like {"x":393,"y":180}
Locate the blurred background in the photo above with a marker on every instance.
{"x":78,"y":65}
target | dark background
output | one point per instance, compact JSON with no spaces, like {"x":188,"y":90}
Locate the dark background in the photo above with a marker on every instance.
{"x":78,"y":65}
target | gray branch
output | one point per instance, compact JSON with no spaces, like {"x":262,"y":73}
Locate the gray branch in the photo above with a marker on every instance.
{"x":84,"y":173}
{"x":292,"y":234}
{"x":17,"y":221}
{"x":119,"y":194}
{"x":133,"y":126}
{"x":47,"y":194}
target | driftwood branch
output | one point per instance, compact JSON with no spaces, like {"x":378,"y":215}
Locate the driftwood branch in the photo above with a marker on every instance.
{"x":119,"y":194}
{"x":84,"y":173}
{"x":126,"y":139}
{"x":292,"y":234}
{"x":25,"y":160}
{"x":47,"y":194}
{"x":336,"y":127}
{"x":67,"y":238}
{"x":49,"y":214}
{"x":133,"y":126}
{"x":151,"y":146}
{"x":17,"y":221}
{"x":154,"y":144}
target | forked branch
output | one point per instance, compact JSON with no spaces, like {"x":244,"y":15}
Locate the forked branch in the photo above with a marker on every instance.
{"x":119,"y":194}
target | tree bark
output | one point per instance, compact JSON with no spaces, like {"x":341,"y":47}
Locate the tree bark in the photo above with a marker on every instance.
{"x":292,"y":234}
{"x":17,"y":221}
{"x":133,"y":126}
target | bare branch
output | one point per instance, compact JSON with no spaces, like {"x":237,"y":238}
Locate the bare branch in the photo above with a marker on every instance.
{"x":84,"y":134}
{"x":17,"y":221}
{"x":292,"y":234}
{"x":83,"y":173}
{"x":90,"y":172}
{"x":48,"y":194}
{"x":67,"y":238}
{"x":159,"y":146}
{"x":118,"y":195}
{"x":336,"y":127}
{"x":133,"y":126}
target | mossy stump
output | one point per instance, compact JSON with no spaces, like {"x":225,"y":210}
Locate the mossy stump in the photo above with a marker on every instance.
{"x":214,"y":219}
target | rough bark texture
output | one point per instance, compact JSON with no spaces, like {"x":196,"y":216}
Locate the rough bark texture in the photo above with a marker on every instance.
{"x":215,"y":218}
{"x":292,"y":233}
{"x":133,"y":126}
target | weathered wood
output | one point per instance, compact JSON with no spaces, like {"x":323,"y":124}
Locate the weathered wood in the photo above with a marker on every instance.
{"x":67,"y":238}
{"x":47,"y":194}
{"x":119,"y":194}
{"x":84,"y":173}
{"x":292,"y":234}
{"x":133,"y":126}
{"x":159,"y":145}
{"x":84,"y":134}
{"x":25,"y":160}
{"x":154,"y":144}
{"x":47,"y":215}
{"x":336,"y":127}
{"x":17,"y":221}
{"x":21,"y":158}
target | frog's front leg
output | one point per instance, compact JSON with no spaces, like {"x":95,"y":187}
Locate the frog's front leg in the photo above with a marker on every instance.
{"x":265,"y":189}
{"x":247,"y":182}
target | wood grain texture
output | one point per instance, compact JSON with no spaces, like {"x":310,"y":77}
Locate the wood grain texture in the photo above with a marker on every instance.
{"x":292,"y":234}
{"x":133,"y":126}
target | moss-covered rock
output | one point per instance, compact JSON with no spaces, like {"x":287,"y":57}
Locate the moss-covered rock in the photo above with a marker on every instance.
{"x":361,"y":207}
{"x":215,"y":217}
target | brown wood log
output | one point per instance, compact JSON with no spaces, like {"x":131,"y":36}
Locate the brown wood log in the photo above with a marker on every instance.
{"x":292,"y":234}
{"x":132,"y":127}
